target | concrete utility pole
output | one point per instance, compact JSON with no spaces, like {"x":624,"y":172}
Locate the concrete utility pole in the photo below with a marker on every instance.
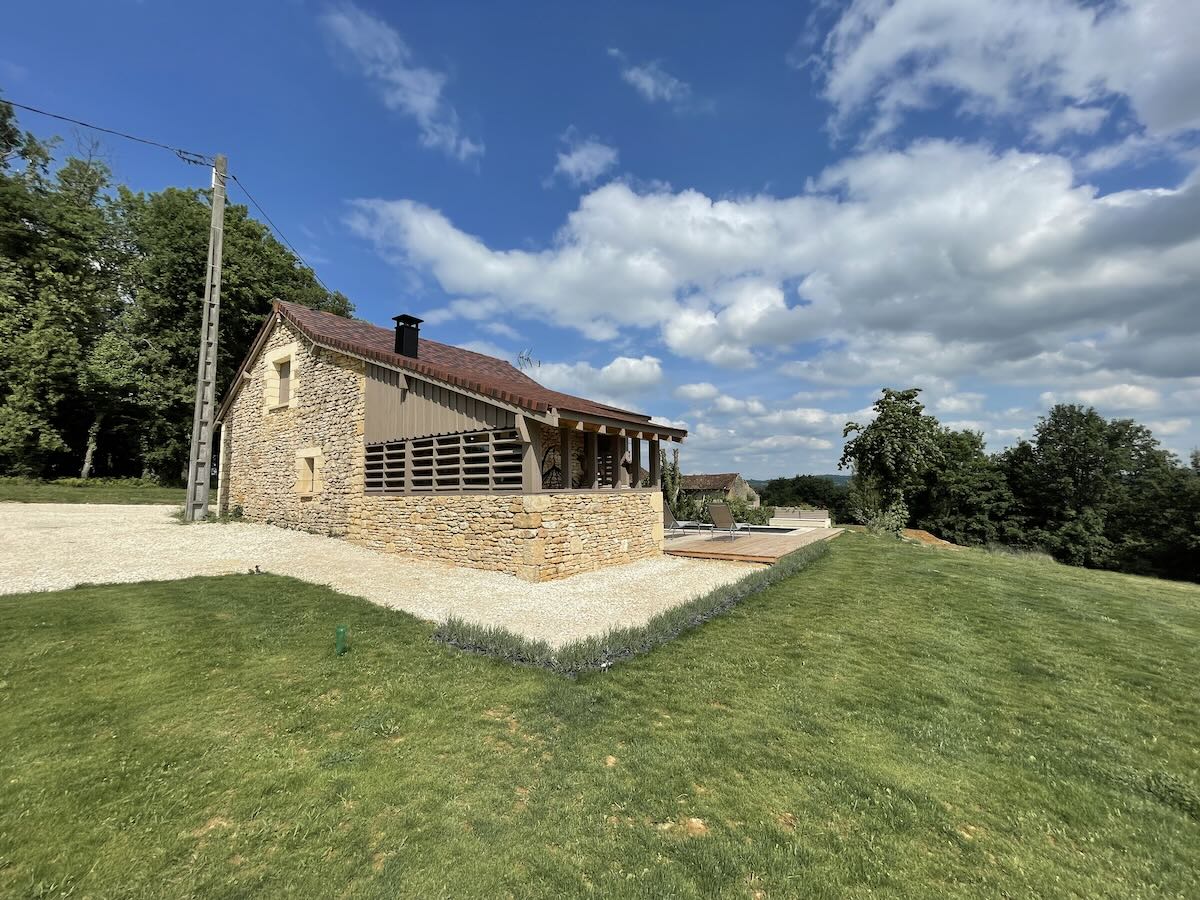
{"x":200,"y":465}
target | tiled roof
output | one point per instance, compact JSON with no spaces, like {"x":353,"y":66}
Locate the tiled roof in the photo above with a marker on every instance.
{"x":453,"y":365}
{"x":708,"y":482}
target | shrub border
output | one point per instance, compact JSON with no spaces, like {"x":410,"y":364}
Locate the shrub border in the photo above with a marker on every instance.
{"x":598,"y":653}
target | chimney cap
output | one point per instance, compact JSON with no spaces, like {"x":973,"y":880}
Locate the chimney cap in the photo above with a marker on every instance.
{"x":407,"y":320}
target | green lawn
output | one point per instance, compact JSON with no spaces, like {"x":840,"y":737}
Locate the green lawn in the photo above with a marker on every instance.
{"x":101,"y":490}
{"x":895,"y":720}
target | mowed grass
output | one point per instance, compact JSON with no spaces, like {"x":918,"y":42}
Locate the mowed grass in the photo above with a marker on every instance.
{"x":895,"y":720}
{"x":99,"y":490}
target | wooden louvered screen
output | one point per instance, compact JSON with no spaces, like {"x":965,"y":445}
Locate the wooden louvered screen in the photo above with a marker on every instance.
{"x":450,"y":463}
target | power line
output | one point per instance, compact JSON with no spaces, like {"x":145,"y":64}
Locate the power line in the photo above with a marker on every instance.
{"x":276,"y":229}
{"x":191,"y":157}
{"x":188,"y":156}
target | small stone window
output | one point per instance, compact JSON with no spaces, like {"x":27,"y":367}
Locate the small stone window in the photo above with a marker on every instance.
{"x":284,"y":370}
{"x":281,"y":384}
{"x":309,"y":465}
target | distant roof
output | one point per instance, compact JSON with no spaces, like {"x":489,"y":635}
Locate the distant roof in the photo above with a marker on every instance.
{"x":708,"y":482}
{"x":452,"y":365}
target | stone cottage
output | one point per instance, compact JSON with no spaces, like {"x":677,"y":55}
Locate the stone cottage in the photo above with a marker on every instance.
{"x":726,"y":486}
{"x":406,"y":445}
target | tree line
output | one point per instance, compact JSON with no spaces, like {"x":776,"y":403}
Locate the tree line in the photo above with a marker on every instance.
{"x":100,"y":304}
{"x":1087,"y":490}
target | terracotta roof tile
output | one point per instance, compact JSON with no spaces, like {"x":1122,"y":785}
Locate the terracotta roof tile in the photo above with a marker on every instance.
{"x":462,"y":368}
{"x":708,"y":482}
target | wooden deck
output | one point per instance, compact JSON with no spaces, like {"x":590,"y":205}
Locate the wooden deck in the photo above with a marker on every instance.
{"x":754,"y":548}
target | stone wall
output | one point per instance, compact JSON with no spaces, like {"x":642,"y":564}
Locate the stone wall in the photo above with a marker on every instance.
{"x":262,"y":444}
{"x":533,"y":536}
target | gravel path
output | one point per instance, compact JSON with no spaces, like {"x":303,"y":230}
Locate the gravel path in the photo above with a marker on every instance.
{"x":46,"y":547}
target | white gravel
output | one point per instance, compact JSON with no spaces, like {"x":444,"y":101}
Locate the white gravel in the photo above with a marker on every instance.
{"x":47,"y":546}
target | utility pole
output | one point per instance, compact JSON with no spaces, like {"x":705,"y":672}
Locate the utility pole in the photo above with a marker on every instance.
{"x":200,"y":462}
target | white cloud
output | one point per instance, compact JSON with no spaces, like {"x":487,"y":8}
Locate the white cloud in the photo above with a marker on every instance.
{"x":651,"y":81}
{"x":965,"y":402}
{"x":1168,"y":427}
{"x":1053,"y":126}
{"x":502,"y":329}
{"x":903,"y":267}
{"x":885,"y":60}
{"x":1121,"y":396}
{"x":1114,"y":396}
{"x":384,"y":58}
{"x":620,"y":381}
{"x":584,"y":159}
{"x":726,"y":404}
{"x":699,"y":391}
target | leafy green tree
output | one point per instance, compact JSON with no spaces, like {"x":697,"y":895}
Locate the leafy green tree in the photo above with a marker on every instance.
{"x":965,"y":498}
{"x":1104,"y":494}
{"x":890,"y":456}
{"x":58,"y":290}
{"x":100,"y":310}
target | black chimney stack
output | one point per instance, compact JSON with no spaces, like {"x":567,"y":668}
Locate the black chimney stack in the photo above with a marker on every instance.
{"x":407,"y":329}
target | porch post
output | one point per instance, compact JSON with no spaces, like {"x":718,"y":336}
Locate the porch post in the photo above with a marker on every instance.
{"x":635,"y":462}
{"x":655,"y":465}
{"x":618,"y":457}
{"x":531,"y":469}
{"x":564,"y":455}
{"x":590,"y":468}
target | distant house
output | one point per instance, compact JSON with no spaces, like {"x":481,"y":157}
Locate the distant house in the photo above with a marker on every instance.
{"x":729,"y":486}
{"x":406,"y":445}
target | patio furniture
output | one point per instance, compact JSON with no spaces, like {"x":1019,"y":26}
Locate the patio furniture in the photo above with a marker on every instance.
{"x":723,"y":520}
{"x":670,"y":523}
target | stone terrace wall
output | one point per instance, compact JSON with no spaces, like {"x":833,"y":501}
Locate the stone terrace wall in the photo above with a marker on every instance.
{"x":533,"y":536}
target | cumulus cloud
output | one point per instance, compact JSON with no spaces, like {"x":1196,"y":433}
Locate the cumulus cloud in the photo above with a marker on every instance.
{"x":965,"y":402}
{"x":882,"y":61}
{"x":381,"y":54}
{"x":700,"y":391}
{"x":621,"y":381}
{"x":1170,"y":427}
{"x":906,"y":267}
{"x":584,"y":159}
{"x":1113,"y":396}
{"x":651,"y":81}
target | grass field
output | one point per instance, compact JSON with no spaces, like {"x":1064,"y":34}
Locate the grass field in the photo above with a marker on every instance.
{"x":895,"y":720}
{"x":94,"y":490}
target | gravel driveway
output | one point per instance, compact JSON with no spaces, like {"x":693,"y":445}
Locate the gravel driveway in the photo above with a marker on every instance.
{"x":46,"y":547}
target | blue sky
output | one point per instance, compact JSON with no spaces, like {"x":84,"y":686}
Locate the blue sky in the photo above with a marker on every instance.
{"x":743,"y":218}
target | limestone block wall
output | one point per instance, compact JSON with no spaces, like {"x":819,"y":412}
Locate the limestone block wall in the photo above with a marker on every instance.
{"x":537,"y":537}
{"x":263,"y":445}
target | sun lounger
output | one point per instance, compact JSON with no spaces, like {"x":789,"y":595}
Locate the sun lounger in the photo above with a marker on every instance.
{"x":723,"y":520}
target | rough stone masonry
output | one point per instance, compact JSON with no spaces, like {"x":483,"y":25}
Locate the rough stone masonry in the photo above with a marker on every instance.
{"x":299,"y":464}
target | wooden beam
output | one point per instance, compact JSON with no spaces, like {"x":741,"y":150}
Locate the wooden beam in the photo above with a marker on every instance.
{"x":613,"y":425}
{"x":655,"y":464}
{"x":635,"y":462}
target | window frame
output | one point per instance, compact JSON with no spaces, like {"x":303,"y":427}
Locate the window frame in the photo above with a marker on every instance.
{"x":272,"y":381}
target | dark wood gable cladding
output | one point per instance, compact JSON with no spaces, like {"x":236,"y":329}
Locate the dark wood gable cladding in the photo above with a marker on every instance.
{"x":400,"y":406}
